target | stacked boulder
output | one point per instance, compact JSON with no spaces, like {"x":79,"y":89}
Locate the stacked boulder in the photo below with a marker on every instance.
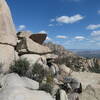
{"x":28,"y":46}
{"x":22,"y":45}
{"x":8,"y":37}
{"x":33,"y":51}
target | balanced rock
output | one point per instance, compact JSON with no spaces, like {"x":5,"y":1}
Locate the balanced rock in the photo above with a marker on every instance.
{"x":7,"y":28}
{"x":27,"y":46}
{"x":39,"y":38}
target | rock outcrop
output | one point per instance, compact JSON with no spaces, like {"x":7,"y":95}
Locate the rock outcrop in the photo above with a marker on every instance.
{"x":27,"y":46}
{"x":50,"y":60}
{"x":8,"y":38}
{"x":7,"y":28}
{"x":76,"y":63}
{"x":7,"y":56}
{"x":32,"y":58}
{"x":14,"y":87}
{"x":13,"y":45}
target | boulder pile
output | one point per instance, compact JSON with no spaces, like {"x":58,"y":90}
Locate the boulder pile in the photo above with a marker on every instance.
{"x":12,"y":45}
{"x":16,"y":46}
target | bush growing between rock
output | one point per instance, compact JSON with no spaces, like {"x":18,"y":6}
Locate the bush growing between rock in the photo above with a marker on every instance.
{"x":38,"y":72}
{"x":20,"y":67}
{"x":46,"y":87}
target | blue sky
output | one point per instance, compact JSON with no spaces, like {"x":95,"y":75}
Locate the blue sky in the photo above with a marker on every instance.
{"x":75,"y":24}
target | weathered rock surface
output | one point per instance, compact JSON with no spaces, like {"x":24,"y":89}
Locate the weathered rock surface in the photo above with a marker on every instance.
{"x":32,"y":58}
{"x":36,"y":59}
{"x":31,"y":84}
{"x":90,"y":93}
{"x":14,"y":80}
{"x":27,"y":46}
{"x":87,"y":78}
{"x":65,"y":70}
{"x":7,"y":29}
{"x":23,"y":34}
{"x":63,"y":95}
{"x":51,"y":56}
{"x":53,"y":69}
{"x":15,"y":88}
{"x":39,"y":37}
{"x":7,"y":56}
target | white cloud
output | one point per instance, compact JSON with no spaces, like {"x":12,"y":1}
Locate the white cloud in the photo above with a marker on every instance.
{"x":50,"y":25}
{"x":92,"y":41}
{"x":43,"y":31}
{"x":95,"y":33}
{"x":93,"y":26}
{"x":48,"y":38}
{"x":61,"y":36}
{"x":69,"y":20}
{"x":98,"y":11}
{"x":21,"y":27}
{"x":52,"y":20}
{"x":79,"y":37}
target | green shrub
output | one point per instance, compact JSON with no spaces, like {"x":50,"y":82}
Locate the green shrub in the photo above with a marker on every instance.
{"x":38,"y":72}
{"x":46,"y":87}
{"x":20,"y":67}
{"x":49,"y":77}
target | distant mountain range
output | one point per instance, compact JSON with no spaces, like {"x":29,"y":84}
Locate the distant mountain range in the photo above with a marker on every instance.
{"x":87,"y":53}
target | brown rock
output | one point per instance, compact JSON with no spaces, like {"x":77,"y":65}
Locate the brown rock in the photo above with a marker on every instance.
{"x":39,"y":38}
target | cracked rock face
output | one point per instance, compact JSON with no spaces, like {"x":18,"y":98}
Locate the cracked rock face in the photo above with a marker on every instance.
{"x":27,"y":46}
{"x":8,"y":38}
{"x":7,"y":28}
